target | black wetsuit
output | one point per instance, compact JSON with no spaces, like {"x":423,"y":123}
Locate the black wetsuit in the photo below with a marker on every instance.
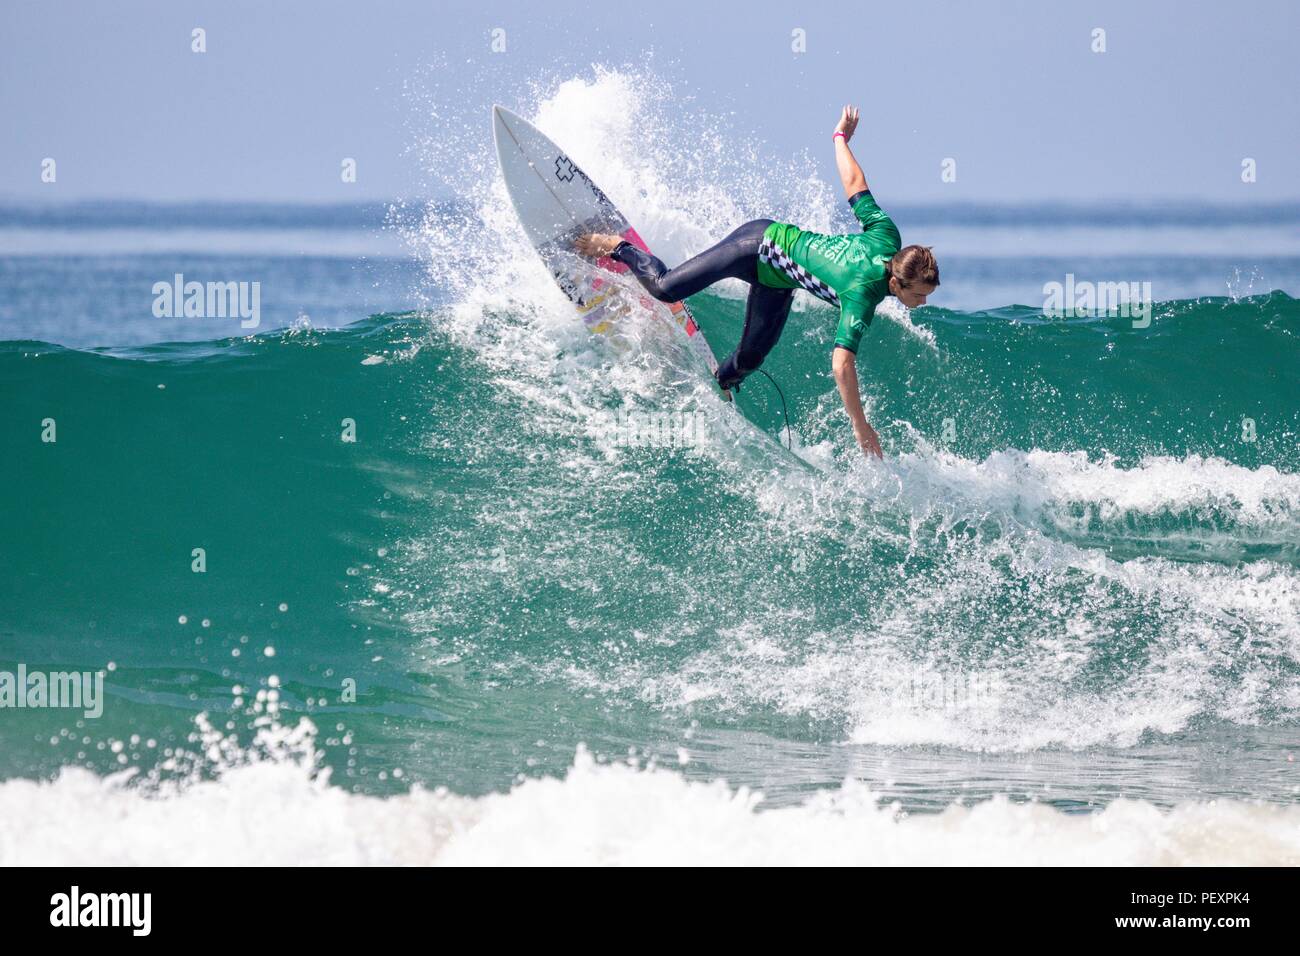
{"x":735,"y":257}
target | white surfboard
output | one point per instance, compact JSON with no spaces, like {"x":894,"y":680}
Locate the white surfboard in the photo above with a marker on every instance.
{"x":556,"y":203}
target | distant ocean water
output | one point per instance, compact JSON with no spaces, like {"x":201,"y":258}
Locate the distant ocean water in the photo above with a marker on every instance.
{"x":1060,"y":624}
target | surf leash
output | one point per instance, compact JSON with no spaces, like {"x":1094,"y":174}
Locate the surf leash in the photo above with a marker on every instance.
{"x":784,"y":413}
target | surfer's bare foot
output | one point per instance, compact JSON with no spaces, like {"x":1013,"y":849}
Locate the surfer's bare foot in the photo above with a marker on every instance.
{"x":597,"y":244}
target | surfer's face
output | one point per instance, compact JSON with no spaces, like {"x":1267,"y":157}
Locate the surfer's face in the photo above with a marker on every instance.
{"x":913,"y":295}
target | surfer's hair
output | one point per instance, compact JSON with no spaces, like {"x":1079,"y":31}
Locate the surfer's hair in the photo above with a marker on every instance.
{"x":914,"y":265}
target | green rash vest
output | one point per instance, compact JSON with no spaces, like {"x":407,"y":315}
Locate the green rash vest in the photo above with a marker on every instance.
{"x":849,"y":271}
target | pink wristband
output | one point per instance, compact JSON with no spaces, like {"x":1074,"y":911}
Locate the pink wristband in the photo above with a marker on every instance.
{"x":838,"y":133}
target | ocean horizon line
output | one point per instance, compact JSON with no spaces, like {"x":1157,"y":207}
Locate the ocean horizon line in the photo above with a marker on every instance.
{"x":133,"y":212}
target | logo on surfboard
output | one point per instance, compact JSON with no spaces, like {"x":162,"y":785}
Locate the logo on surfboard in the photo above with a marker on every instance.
{"x":564,"y":169}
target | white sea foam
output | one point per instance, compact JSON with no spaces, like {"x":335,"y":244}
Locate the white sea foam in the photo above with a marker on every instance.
{"x":275,"y":814}
{"x":1016,"y":626}
{"x":1049,"y":482}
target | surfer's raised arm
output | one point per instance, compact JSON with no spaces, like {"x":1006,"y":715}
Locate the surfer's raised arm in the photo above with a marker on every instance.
{"x":850,"y":172}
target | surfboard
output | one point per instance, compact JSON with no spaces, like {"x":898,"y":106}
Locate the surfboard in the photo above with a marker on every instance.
{"x":557,"y":202}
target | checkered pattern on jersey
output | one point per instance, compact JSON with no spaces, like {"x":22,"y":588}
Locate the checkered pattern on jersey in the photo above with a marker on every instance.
{"x":775,"y":256}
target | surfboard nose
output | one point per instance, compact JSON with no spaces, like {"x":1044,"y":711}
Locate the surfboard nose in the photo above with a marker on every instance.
{"x":498,"y":127}
{"x":501,"y":119}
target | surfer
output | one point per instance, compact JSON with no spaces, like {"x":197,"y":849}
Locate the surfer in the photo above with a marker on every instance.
{"x":852,"y":272}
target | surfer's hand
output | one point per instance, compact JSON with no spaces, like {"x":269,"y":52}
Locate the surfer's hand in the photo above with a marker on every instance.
{"x":848,"y":122}
{"x":596,"y":244}
{"x":869,"y":441}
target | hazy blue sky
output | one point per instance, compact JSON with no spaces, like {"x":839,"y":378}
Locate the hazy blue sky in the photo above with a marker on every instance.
{"x":1012,"y":90}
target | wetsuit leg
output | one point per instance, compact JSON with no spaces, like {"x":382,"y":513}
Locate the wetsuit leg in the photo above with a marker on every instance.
{"x":735,"y":257}
{"x":765,"y":313}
